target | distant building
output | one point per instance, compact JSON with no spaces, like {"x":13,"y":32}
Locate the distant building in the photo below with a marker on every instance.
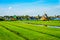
{"x":12,"y":18}
{"x":19,"y":18}
{"x":33,"y":18}
{"x":57,"y":19}
{"x":7,"y":18}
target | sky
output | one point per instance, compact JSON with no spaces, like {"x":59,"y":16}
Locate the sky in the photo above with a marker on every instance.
{"x":29,"y":7}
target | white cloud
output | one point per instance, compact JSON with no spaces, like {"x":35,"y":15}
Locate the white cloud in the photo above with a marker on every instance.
{"x":9,"y":8}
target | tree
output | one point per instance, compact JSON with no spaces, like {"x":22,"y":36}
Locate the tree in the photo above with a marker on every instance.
{"x":27,"y":17}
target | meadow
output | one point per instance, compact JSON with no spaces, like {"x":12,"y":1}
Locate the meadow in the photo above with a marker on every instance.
{"x":28,"y":30}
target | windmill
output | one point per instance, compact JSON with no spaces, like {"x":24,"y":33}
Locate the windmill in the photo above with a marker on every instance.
{"x":44,"y":17}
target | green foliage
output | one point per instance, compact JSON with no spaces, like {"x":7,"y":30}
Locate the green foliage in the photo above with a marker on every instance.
{"x":2,"y":19}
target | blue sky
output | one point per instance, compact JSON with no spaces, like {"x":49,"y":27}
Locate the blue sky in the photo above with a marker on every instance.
{"x":29,"y":7}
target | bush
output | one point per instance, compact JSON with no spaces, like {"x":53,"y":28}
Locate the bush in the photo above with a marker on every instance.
{"x":2,"y":19}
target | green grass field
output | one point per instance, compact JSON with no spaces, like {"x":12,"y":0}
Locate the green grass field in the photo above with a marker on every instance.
{"x":27,"y":30}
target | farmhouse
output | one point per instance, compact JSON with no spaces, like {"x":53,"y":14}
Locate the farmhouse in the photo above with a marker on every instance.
{"x":19,"y":18}
{"x":33,"y":18}
{"x":7,"y":17}
{"x":12,"y":18}
{"x":55,"y":18}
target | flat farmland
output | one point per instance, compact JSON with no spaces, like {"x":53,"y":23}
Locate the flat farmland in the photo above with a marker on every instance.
{"x":29,"y":30}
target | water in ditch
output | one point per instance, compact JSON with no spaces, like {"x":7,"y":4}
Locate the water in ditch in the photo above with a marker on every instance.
{"x":48,"y":26}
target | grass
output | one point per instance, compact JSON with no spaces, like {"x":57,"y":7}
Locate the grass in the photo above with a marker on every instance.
{"x":53,"y":23}
{"x":7,"y":35}
{"x":21,"y":30}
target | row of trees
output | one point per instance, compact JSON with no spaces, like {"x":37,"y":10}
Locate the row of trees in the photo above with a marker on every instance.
{"x":26,"y":17}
